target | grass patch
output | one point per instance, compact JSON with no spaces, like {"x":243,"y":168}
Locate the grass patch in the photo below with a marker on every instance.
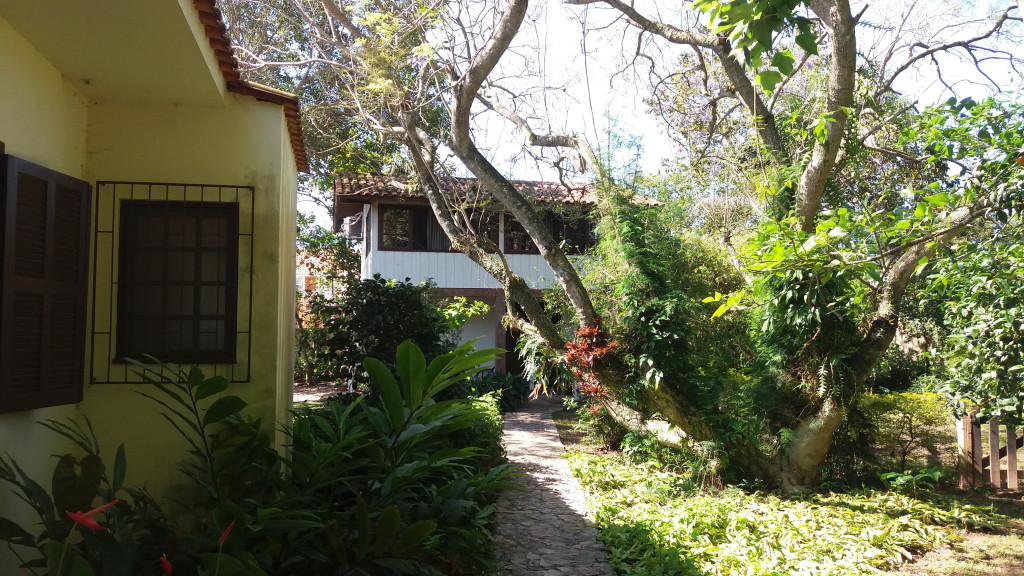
{"x":654,"y":523}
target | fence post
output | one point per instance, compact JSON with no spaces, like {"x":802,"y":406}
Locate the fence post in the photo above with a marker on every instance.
{"x":977,"y":467}
{"x":1011,"y":458}
{"x":994,"y":462}
{"x":964,"y":448}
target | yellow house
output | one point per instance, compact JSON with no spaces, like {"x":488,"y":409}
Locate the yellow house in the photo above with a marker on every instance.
{"x":147,"y":206}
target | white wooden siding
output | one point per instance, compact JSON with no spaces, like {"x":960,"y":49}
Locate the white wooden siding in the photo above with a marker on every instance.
{"x":445,"y":269}
{"x":453,"y":270}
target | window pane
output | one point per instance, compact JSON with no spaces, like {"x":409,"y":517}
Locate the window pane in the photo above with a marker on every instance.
{"x":396,"y":228}
{"x":516,"y":238}
{"x":178,"y":297}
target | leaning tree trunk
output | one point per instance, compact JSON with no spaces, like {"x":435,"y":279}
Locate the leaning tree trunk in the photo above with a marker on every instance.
{"x":799,"y":463}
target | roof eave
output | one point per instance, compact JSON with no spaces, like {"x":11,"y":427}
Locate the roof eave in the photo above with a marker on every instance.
{"x":216,"y":33}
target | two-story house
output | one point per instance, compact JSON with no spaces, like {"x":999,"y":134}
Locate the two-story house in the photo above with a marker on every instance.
{"x":400,"y":238}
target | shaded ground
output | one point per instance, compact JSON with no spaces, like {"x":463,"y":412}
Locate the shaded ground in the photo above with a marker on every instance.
{"x":314,"y":392}
{"x":980,"y":554}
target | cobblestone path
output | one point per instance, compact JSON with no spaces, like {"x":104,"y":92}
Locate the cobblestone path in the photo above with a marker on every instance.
{"x":543,"y":531}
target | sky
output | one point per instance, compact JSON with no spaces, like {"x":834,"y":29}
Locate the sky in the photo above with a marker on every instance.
{"x":589,"y":78}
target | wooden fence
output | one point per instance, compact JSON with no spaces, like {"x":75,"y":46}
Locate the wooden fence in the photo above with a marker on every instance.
{"x":977,"y":469}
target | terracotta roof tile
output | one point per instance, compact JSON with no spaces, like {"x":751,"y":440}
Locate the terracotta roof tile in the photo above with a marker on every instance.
{"x":355,"y":185}
{"x":216,"y":33}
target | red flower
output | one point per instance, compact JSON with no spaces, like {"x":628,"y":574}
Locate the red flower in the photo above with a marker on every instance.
{"x":85,"y":518}
{"x":224,"y":535}
{"x":165,"y":565}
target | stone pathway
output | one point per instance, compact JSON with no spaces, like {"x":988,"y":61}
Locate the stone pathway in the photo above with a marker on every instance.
{"x":543,"y":531}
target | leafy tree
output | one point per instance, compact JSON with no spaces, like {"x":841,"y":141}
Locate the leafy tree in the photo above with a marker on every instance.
{"x":804,"y":108}
{"x":981,"y":288}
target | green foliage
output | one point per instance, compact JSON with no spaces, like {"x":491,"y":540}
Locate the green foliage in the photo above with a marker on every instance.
{"x":982,"y":296}
{"x":510,"y":391}
{"x":653,"y":522}
{"x":133,"y":530}
{"x":459,"y":310}
{"x":751,"y":26}
{"x":403,"y":487}
{"x":324,"y":253}
{"x":599,"y":426}
{"x":909,"y":426}
{"x":374,"y":317}
{"x":649,"y":285}
{"x":907,"y":481}
{"x":544,"y":364}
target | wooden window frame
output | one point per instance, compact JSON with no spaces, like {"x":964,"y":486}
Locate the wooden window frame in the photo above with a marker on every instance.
{"x":411,"y":244}
{"x":556,"y":226}
{"x":130,"y":284}
{"x":47,"y":371}
{"x":507,"y":246}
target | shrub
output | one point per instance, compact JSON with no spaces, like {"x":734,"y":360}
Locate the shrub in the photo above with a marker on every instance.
{"x":374,"y":488}
{"x":371,"y":320}
{"x":510,"y":390}
{"x":910,"y":428}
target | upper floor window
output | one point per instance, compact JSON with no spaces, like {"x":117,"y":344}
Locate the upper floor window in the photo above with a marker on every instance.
{"x":416,"y":228}
{"x":574,"y":234}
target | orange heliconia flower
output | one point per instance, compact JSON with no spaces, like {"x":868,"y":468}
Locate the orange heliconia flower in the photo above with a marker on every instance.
{"x":85,"y":518}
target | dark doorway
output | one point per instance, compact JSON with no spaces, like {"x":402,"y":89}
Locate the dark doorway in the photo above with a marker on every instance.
{"x":513,"y":363}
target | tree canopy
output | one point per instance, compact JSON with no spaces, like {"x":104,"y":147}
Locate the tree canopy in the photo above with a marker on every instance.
{"x":835,"y":191}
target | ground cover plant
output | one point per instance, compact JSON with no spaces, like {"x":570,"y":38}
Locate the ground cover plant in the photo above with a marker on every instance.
{"x":655,"y":522}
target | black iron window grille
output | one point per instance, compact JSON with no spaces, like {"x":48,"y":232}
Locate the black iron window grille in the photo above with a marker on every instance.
{"x":173,"y":278}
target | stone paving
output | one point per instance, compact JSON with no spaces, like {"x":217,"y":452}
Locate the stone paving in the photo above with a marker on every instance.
{"x":543,"y":531}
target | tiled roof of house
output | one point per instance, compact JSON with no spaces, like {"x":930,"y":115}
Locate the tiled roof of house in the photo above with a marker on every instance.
{"x":216,"y":33}
{"x":356,"y":185}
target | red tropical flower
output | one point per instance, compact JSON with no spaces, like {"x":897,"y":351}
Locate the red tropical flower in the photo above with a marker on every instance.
{"x":224,"y":535}
{"x":165,"y":565}
{"x":85,"y":518}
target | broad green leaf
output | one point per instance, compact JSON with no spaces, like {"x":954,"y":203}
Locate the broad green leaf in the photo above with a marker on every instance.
{"x":120,"y":468}
{"x":783,"y":61}
{"x":14,"y":533}
{"x":768,"y":79}
{"x":387,"y":388}
{"x":387,"y":527}
{"x":808,"y":41}
{"x":717,"y":297}
{"x":413,"y":537}
{"x":222,"y":408}
{"x":211,"y":386}
{"x":920,"y":265}
{"x":412,"y":367}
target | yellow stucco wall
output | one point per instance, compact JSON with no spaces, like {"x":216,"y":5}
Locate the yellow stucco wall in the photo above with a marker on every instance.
{"x":240,"y":142}
{"x":43,"y":117}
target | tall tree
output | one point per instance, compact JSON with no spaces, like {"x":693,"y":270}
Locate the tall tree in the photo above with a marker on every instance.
{"x":418,"y":72}
{"x":784,"y":86}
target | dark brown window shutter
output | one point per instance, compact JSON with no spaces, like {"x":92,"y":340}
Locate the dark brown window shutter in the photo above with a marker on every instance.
{"x":44,"y":229}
